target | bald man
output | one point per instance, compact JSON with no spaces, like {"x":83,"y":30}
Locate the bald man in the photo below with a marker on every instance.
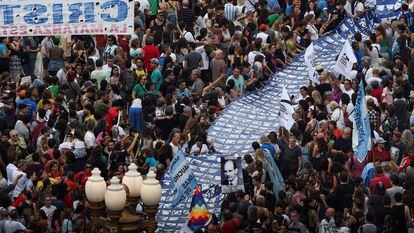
{"x":218,"y":65}
{"x":328,"y":222}
{"x":186,"y":15}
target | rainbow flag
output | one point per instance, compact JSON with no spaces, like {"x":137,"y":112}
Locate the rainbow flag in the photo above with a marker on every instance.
{"x":199,"y":214}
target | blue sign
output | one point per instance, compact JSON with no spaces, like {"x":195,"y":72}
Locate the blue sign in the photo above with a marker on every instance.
{"x":183,"y":179}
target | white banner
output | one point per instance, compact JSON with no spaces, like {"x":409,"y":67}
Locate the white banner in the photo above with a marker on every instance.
{"x":286,"y":110}
{"x":72,"y":17}
{"x":309,"y":57}
{"x":346,"y":60}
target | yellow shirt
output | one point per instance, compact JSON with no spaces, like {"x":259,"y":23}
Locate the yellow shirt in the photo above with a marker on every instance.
{"x":40,"y":183}
{"x":90,"y":117}
{"x":140,"y":73}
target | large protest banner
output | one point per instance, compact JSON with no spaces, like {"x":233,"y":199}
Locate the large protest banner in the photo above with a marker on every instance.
{"x":43,"y":17}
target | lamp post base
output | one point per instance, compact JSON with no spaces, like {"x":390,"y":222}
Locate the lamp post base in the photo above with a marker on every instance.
{"x":151,"y":211}
{"x":114,"y":221}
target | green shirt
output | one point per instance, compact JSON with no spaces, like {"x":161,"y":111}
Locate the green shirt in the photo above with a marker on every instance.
{"x":157,"y":80}
{"x":153,"y":6}
{"x":54,"y":90}
{"x":139,"y":90}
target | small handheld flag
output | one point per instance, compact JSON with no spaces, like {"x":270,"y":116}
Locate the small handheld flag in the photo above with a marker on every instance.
{"x":199,"y":214}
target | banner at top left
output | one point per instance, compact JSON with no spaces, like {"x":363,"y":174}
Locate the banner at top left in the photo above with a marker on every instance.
{"x":66,"y":17}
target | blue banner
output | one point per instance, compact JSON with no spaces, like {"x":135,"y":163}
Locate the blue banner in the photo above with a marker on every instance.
{"x":361,"y":135}
{"x":183,"y":179}
{"x":257,"y":113}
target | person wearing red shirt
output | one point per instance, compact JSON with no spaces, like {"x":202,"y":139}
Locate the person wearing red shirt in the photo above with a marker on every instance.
{"x":406,"y":161}
{"x":113,"y":114}
{"x":100,"y":43}
{"x":123,"y":42}
{"x":380,"y":152}
{"x":230,"y":224}
{"x":380,"y":177}
{"x":55,"y":172}
{"x":70,"y":182}
{"x":83,"y":176}
{"x":150,"y":52}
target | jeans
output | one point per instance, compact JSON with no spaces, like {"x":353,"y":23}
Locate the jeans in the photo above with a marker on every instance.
{"x":29,"y":67}
{"x":135,"y":118}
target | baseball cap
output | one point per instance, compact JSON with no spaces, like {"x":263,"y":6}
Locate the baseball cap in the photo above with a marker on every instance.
{"x":22,"y":93}
{"x":155,"y":60}
{"x":263,"y":26}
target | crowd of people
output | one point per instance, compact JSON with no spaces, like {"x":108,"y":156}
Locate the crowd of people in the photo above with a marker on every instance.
{"x":72,"y":103}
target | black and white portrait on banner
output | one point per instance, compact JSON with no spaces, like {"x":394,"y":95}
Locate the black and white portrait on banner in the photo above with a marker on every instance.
{"x":231,"y":175}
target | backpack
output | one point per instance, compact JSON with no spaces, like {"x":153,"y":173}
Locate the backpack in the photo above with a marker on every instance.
{"x":38,"y":128}
{"x":129,"y":81}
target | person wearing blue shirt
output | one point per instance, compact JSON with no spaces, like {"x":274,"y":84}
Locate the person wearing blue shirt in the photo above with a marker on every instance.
{"x":358,"y":55}
{"x":183,"y":91}
{"x":149,"y":159}
{"x":4,"y":55}
{"x":323,"y":5}
{"x":408,"y":16}
{"x":264,"y":140}
{"x":25,"y":99}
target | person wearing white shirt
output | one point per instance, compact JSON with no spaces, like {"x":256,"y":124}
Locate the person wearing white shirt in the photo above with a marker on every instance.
{"x":199,"y":148}
{"x":374,"y":77}
{"x":313,"y":31}
{"x":206,"y":61}
{"x":11,"y":167}
{"x":347,"y":88}
{"x":249,"y":4}
{"x":21,"y":177}
{"x":354,"y":9}
{"x":188,"y":36}
{"x":62,"y":73}
{"x":49,"y":209}
{"x":252,"y":55}
{"x":108,"y":67}
{"x":143,"y":5}
{"x":90,"y":139}
{"x":174,"y":143}
{"x":370,"y":4}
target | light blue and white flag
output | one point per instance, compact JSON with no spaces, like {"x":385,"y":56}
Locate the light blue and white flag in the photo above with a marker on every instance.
{"x":361,"y":135}
{"x":274,"y":173}
{"x":182,"y":177}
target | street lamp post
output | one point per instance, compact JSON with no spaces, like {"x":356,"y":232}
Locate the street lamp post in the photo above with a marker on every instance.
{"x":121,"y":199}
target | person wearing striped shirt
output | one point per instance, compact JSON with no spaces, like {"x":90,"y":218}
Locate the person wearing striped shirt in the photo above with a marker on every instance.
{"x":230,"y":10}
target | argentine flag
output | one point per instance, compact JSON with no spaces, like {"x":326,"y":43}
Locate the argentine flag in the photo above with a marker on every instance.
{"x":361,"y":134}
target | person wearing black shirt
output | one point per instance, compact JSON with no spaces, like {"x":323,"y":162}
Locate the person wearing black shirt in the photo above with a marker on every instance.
{"x":343,"y":192}
{"x":342,"y":144}
{"x":168,"y":86}
{"x":166,"y":123}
